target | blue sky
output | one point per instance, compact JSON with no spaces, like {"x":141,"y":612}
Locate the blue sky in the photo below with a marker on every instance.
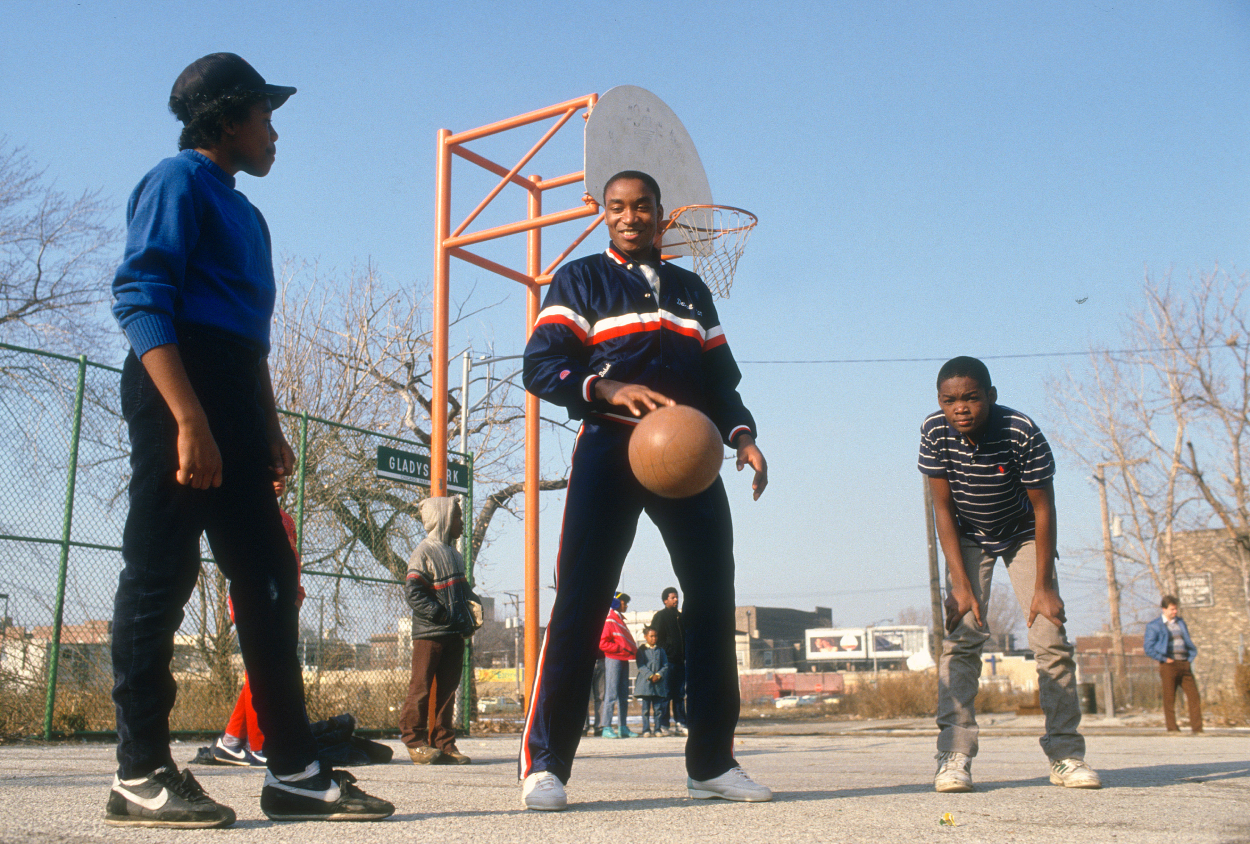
{"x":931,"y":180}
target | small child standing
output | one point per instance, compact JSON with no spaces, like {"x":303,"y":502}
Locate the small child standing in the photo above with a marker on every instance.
{"x":651,"y":685}
{"x":991,"y":474}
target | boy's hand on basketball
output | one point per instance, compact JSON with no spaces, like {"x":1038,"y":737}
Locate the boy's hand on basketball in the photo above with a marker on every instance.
{"x":749,"y":453}
{"x":1048,"y":604}
{"x":960,"y":602}
{"x":199,"y":460}
{"x":636,"y":398}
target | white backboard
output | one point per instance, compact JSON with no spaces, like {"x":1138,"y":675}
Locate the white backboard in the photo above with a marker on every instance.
{"x":632,"y":129}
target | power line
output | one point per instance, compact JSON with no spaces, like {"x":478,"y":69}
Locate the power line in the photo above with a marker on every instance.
{"x":832,"y":592}
{"x":1002,"y":357}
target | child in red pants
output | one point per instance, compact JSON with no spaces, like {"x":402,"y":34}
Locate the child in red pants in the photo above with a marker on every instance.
{"x":243,"y":743}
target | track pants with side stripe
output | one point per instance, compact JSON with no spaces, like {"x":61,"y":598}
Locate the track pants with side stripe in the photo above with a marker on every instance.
{"x":601,"y":512}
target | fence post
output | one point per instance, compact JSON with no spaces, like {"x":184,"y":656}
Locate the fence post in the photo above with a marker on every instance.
{"x":299,"y":495}
{"x":466,"y":674}
{"x":54,"y":657}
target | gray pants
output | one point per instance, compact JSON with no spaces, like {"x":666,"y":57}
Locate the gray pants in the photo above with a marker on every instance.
{"x":960,"y":665}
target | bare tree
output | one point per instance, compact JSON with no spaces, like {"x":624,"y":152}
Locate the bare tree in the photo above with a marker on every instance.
{"x":55,"y":264}
{"x":1004,"y":617}
{"x":350,"y":352}
{"x":1168,"y":417}
{"x":55,"y":258}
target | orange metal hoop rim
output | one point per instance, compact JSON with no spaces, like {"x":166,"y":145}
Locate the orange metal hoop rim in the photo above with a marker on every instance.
{"x":744,"y":225}
{"x":715,"y":236}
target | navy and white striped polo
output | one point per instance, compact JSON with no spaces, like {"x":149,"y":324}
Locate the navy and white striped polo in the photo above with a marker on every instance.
{"x":989,"y":481}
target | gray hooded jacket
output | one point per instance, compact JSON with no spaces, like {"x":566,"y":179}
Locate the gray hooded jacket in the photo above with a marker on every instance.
{"x":436,"y":587}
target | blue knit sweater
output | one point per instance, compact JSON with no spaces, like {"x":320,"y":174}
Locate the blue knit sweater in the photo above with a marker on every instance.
{"x":197,"y":252}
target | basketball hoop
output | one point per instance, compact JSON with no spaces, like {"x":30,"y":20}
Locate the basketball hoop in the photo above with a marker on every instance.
{"x":716,"y":235}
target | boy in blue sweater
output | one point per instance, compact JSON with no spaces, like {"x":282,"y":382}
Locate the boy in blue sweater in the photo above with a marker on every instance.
{"x":195,"y":295}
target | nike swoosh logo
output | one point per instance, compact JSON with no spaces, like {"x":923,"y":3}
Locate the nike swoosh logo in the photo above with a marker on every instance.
{"x":330,"y":795}
{"x":149,"y":803}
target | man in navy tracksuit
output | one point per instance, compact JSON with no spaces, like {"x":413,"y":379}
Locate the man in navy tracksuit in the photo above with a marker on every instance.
{"x":620,"y":334}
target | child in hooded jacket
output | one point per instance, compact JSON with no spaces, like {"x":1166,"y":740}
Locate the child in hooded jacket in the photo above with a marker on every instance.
{"x":651,"y":684}
{"x":442,"y":619}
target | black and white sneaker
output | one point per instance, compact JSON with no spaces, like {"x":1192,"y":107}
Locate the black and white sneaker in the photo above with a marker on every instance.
{"x":166,"y":797}
{"x":328,"y":796}
{"x":230,"y":755}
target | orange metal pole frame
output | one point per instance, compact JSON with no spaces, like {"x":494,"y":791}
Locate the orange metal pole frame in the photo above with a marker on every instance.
{"x":532,"y":304}
{"x":447,"y":246}
{"x":442,"y":272}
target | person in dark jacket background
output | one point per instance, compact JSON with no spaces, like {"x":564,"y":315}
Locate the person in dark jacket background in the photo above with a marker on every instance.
{"x":671,"y":637}
{"x":1167,"y":642}
{"x":442,"y":618}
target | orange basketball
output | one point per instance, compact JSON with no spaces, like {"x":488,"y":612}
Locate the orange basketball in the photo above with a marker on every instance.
{"x":676,"y":452}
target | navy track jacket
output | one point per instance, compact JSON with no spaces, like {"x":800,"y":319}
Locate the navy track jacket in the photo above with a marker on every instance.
{"x":600,"y":319}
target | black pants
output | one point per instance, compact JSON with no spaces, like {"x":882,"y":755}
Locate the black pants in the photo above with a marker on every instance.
{"x":601,"y":511}
{"x":676,"y":696}
{"x":161,"y":557}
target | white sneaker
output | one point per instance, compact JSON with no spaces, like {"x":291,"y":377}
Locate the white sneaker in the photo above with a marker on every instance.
{"x":734,"y":784}
{"x":544,"y":791}
{"x":954,"y":772}
{"x":1074,"y":773}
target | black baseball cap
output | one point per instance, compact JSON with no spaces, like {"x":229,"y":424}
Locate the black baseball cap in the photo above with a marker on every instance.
{"x":216,"y":74}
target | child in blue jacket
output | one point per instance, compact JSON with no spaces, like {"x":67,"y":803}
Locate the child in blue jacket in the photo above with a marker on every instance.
{"x":651,"y":685}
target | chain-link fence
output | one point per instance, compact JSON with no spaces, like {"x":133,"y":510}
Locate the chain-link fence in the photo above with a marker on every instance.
{"x":62,"y":508}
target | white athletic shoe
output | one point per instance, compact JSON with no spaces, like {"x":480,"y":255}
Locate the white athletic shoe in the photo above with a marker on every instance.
{"x":1074,"y":773}
{"x":734,"y":784}
{"x":954,"y":772}
{"x":544,"y":791}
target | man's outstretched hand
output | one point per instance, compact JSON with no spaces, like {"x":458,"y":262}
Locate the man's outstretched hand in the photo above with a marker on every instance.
{"x":749,"y":454}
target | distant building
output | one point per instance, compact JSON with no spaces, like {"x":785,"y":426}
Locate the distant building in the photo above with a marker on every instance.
{"x":85,"y":655}
{"x":773,"y":637}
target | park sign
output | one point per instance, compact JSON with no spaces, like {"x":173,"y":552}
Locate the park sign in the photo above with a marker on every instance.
{"x":410,"y":468}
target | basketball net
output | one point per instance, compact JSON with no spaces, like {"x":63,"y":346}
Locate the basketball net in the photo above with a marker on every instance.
{"x":716,"y":236}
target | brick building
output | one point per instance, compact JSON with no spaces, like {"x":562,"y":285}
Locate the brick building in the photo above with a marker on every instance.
{"x":1213,"y":584}
{"x":772,"y":637}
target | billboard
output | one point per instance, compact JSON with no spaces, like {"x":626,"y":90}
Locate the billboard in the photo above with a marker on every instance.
{"x":836,"y":643}
{"x":849,"y":644}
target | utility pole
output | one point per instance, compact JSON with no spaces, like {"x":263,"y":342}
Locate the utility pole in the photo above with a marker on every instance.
{"x":1108,"y":553}
{"x":935,"y":577}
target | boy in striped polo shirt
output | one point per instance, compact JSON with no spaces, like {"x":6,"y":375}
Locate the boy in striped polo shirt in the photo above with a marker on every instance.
{"x":990,"y":470}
